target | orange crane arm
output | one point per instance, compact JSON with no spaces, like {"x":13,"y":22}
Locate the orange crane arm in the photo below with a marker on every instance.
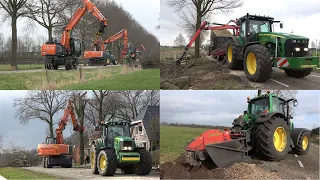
{"x":123,"y":33}
{"x":64,"y":121}
{"x":88,"y":6}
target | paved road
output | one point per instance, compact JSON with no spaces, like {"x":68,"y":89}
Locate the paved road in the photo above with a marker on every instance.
{"x":85,"y":173}
{"x":280,"y":80}
{"x":60,"y":69}
{"x":296,"y":166}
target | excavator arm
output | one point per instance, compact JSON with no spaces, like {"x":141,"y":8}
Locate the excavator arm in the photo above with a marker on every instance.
{"x":90,"y":7}
{"x":123,"y":33}
{"x":69,"y":111}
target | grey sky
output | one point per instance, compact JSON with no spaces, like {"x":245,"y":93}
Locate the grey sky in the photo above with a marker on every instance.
{"x":298,"y":16}
{"x":149,"y":22}
{"x":221,"y":107}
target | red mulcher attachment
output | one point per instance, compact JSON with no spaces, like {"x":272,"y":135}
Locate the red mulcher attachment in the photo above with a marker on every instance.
{"x":223,"y":147}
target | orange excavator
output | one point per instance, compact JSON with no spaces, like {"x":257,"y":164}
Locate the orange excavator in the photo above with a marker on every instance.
{"x":69,"y":49}
{"x":54,"y":151}
{"x":99,"y":55}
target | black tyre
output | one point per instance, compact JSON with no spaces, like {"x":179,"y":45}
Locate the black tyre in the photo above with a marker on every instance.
{"x":43,"y":162}
{"x":107,"y":162}
{"x":220,"y":58}
{"x":56,"y":66}
{"x":68,"y":64}
{"x":272,"y":139}
{"x":90,"y":62}
{"x":303,"y":145}
{"x":68,"y":166}
{"x":129,"y":169}
{"x":93,"y":159}
{"x":298,"y":73}
{"x":231,"y":56}
{"x":145,"y":165}
{"x":257,"y":63}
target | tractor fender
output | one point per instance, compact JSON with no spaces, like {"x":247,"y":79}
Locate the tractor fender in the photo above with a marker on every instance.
{"x":295,"y":134}
{"x":249,"y":44}
{"x":239,"y":121}
{"x":236,"y":41}
{"x":270,"y":115}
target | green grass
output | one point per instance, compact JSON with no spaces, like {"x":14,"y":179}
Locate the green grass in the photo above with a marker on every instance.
{"x":6,"y":67}
{"x":143,"y":79}
{"x":174,"y":139}
{"x":19,"y":173}
{"x":104,"y":78}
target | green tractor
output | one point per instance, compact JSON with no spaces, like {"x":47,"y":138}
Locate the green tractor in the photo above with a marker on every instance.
{"x":116,"y":149}
{"x":255,"y":48}
{"x":266,"y":129}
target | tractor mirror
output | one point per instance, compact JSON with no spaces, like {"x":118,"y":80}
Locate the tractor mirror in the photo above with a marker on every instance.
{"x":295,"y":103}
{"x":281,"y":25}
{"x":245,"y":112}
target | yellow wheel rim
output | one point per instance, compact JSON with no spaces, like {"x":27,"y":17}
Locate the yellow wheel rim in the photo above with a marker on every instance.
{"x":103,"y":162}
{"x":305,"y":142}
{"x":92,"y":160}
{"x":251,"y":63}
{"x":280,"y":139}
{"x":230,"y":53}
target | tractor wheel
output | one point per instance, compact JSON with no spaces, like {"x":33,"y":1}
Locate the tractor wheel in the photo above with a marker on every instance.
{"x":145,"y":165}
{"x":272,"y":139}
{"x":257,"y":63}
{"x":303,"y":144}
{"x":46,"y":163}
{"x":56,"y":66}
{"x":107,"y":162}
{"x":127,"y":169}
{"x":93,"y":159}
{"x":231,"y":54}
{"x":68,"y":64}
{"x":298,"y":73}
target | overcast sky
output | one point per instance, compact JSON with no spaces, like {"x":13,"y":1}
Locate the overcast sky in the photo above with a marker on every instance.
{"x":149,"y":22}
{"x":221,"y":107}
{"x":301,"y":17}
{"x":29,"y":135}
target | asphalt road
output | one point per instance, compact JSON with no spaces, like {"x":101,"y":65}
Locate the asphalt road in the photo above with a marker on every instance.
{"x":85,"y":173}
{"x":61,"y":68}
{"x":296,"y":166}
{"x":280,"y":80}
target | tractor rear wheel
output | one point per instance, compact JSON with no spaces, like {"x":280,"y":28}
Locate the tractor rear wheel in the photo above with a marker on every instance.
{"x":272,"y":139}
{"x":93,"y":159}
{"x":298,"y":73}
{"x":303,"y":144}
{"x":231,"y":54}
{"x":107,"y":162}
{"x":257,"y":63}
{"x":145,"y":165}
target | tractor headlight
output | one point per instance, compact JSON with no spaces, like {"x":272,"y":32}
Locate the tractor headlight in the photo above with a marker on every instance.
{"x":297,"y":49}
{"x":127,"y":148}
{"x":305,"y":49}
{"x":294,"y":41}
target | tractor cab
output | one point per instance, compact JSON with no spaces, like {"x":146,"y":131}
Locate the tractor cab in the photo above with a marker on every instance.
{"x":252,"y":25}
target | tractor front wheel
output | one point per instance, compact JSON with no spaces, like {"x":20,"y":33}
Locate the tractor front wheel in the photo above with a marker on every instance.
{"x":231,"y":54}
{"x":93,"y":159}
{"x":107,"y":162}
{"x":272,"y":139}
{"x":145,"y":165}
{"x":298,"y":73}
{"x":302,"y":146}
{"x":257,"y":63}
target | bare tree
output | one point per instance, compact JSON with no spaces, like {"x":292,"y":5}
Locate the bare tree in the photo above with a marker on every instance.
{"x":42,"y":105}
{"x":2,"y":42}
{"x":1,"y":140}
{"x":286,"y":94}
{"x":313,"y":44}
{"x":204,"y":8}
{"x":80,"y":102}
{"x":180,"y":41}
{"x":14,"y":9}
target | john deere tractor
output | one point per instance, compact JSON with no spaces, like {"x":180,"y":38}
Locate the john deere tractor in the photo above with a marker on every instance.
{"x":265,"y":129}
{"x":116,"y":149}
{"x":257,"y":49}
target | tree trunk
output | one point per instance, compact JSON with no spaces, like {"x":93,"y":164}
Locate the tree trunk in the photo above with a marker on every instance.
{"x":198,"y":24}
{"x":14,"y":42}
{"x":81,"y":147}
{"x":51,"y":127}
{"x":50,"y":33}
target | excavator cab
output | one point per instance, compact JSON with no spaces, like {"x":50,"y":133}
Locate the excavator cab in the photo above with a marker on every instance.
{"x":75,"y":47}
{"x":50,"y":140}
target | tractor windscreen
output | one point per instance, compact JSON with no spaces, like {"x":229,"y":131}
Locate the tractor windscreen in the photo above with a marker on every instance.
{"x":259,"y":26}
{"x":258,"y":106}
{"x":118,"y":130}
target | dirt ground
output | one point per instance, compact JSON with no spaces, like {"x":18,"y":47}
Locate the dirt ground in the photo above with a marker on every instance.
{"x":200,"y":73}
{"x":179,"y":169}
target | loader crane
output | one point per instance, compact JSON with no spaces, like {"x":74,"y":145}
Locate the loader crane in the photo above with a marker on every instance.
{"x":100,"y":55}
{"x":69,"y":49}
{"x":54,"y":152}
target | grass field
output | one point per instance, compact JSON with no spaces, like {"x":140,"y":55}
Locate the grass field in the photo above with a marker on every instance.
{"x":6,"y":67}
{"x":103,"y":78}
{"x":174,"y":139}
{"x":19,"y":173}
